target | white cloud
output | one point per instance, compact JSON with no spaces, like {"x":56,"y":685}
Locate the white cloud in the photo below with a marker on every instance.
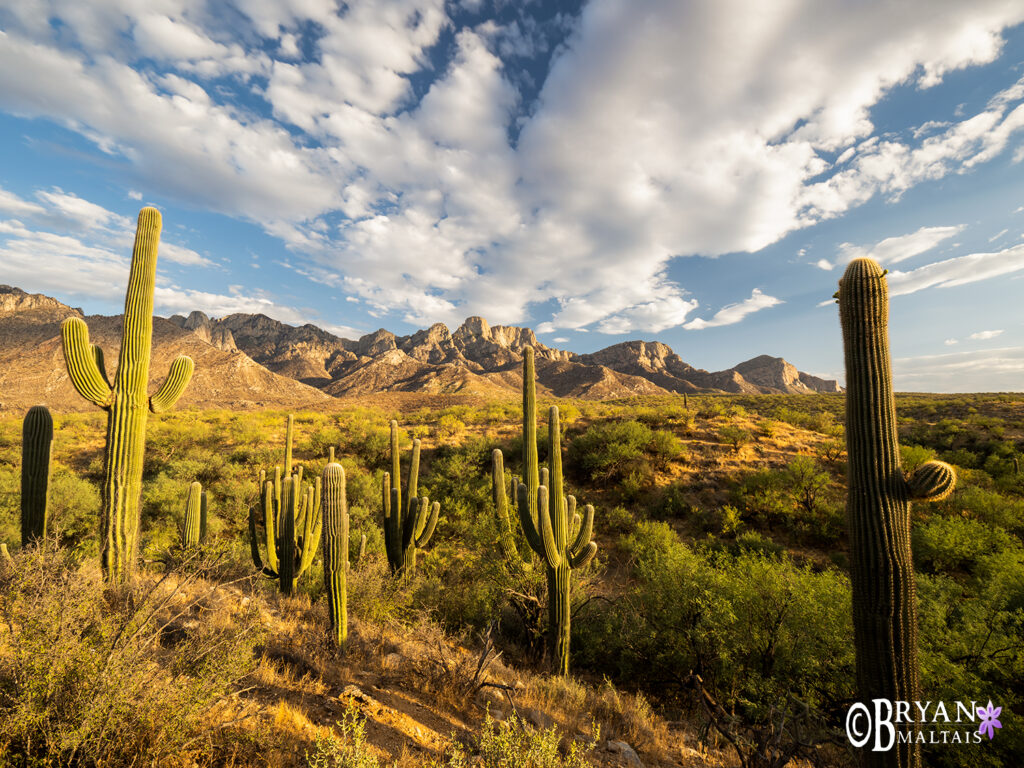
{"x":560,"y":340}
{"x":11,"y":203}
{"x":824,"y":264}
{"x":734,"y":313}
{"x":990,"y":370}
{"x":428,"y":209}
{"x":893,"y":250}
{"x":957,"y":271}
{"x":997,"y":235}
{"x":985,"y":335}
{"x":951,"y":342}
{"x":181,"y":255}
{"x":83,"y":213}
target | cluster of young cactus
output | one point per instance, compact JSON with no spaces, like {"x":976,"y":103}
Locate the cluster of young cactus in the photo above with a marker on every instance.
{"x":125,"y":401}
{"x":193,"y":532}
{"x":547,"y":516}
{"x":409,"y":529}
{"x":878,"y":509}
{"x":291,"y":517}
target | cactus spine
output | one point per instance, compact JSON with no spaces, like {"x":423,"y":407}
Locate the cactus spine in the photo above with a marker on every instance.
{"x":36,"y":449}
{"x":193,"y":532}
{"x":126,"y":402}
{"x":410,"y":529}
{"x":335,"y":548}
{"x":878,"y":508}
{"x":292,"y":522}
{"x":548,"y":517}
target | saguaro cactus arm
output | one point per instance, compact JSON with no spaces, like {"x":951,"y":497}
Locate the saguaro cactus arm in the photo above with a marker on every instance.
{"x":506,"y":539}
{"x":173,"y":386}
{"x":269,"y":523}
{"x":426,"y":523}
{"x":550,"y":551}
{"x":584,"y":533}
{"x":526,"y":519}
{"x":81,"y":358}
{"x":932,"y":481}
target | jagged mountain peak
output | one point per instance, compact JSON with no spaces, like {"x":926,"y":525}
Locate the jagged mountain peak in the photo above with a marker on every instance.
{"x":475,"y":357}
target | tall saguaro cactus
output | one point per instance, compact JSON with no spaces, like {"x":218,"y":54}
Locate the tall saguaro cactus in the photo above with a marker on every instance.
{"x":36,"y":450}
{"x":125,"y":401}
{"x":405,"y":530}
{"x":553,"y":529}
{"x":878,"y":509}
{"x":335,"y":549}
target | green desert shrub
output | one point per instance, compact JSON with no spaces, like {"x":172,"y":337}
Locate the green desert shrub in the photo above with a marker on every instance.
{"x":514,"y":743}
{"x":952,"y":544}
{"x":734,"y":435}
{"x":756,"y":627}
{"x":623,"y":452}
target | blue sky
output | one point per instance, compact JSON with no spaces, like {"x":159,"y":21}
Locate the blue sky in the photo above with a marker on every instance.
{"x":692,"y":172}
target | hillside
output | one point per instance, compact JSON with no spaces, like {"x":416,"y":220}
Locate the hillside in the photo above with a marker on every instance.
{"x":32,"y":369}
{"x":484,"y":359}
{"x":252,"y":361}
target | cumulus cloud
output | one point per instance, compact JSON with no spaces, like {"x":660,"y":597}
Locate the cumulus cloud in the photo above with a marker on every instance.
{"x":958,"y":271}
{"x":734,"y":313}
{"x":893,"y":250}
{"x":435,"y":192}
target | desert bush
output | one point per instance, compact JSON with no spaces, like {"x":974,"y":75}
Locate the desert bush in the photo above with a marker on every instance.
{"x":120,"y":678}
{"x":734,"y":435}
{"x":951,"y":544}
{"x":756,"y":627}
{"x":344,"y":748}
{"x":626,"y":452}
{"x":514,"y":743}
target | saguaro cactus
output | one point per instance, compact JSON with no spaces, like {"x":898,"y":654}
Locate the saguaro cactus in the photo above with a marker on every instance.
{"x":126,"y":402}
{"x":194,"y":530}
{"x":36,"y":448}
{"x":878,"y":509}
{"x":291,"y":529}
{"x":335,"y":549}
{"x":410,"y":529}
{"x":548,"y":517}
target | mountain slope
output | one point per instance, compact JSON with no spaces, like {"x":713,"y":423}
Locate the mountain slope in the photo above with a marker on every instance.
{"x":32,"y":369}
{"x":251,"y":361}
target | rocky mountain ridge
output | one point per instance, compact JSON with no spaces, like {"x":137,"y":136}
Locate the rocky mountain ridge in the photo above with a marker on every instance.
{"x":253,"y":361}
{"x":478,"y":357}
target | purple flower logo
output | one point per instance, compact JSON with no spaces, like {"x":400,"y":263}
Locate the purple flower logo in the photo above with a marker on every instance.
{"x":989,"y":719}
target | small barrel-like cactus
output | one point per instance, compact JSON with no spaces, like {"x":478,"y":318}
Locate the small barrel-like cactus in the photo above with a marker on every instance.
{"x":335,"y":548}
{"x":126,"y":400}
{"x":36,"y":449}
{"x":405,"y":530}
{"x":192,"y":530}
{"x":878,"y":510}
